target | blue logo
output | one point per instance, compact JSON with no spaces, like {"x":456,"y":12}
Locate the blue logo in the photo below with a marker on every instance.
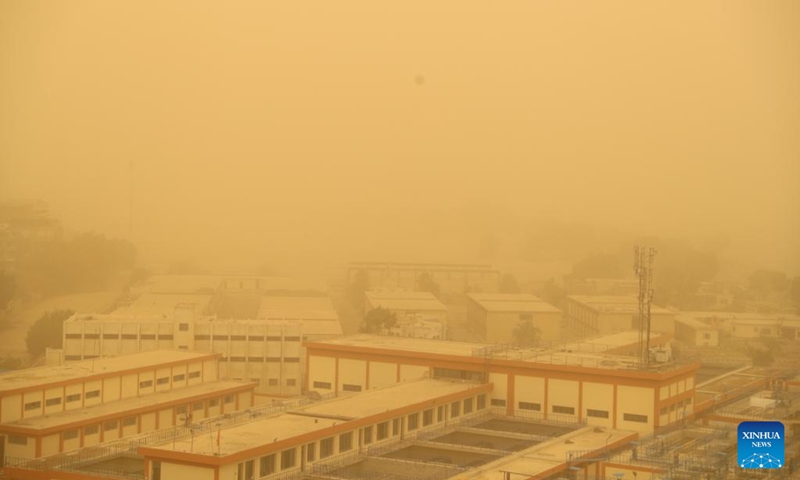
{"x":761,"y":444}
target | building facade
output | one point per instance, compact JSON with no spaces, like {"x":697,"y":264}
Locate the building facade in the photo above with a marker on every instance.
{"x":453,"y":278}
{"x":601,"y":314}
{"x":496,"y":316}
{"x":419,"y":314}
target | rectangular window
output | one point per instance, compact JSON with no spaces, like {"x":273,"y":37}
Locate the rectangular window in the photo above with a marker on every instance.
{"x":249,"y":470}
{"x":597,"y":413}
{"x":179,"y":378}
{"x":498,"y":402}
{"x":291,"y":382}
{"x":345,"y":442}
{"x":536,"y":407}
{"x":455,"y":409}
{"x":167,"y":336}
{"x":630,"y":417}
{"x":70,"y":434}
{"x":162,"y":381}
{"x":367,"y":435}
{"x":239,"y":338}
{"x":110,"y":336}
{"x":148,"y":336}
{"x":129,"y":422}
{"x":292,"y":339}
{"x":93,"y":394}
{"x":146,"y":384}
{"x":180,"y":410}
{"x":481,"y":401}
{"x":194,"y":374}
{"x":110,"y":425}
{"x":467,"y":405}
{"x":273,"y":339}
{"x":413,"y":421}
{"x":74,"y":398}
{"x":202,"y":337}
{"x":91,"y":430}
{"x":214,"y":402}
{"x":383,"y":430}
{"x":72,"y":336}
{"x":663,"y":411}
{"x":287,"y":459}
{"x":223,"y":338}
{"x":255,"y":338}
{"x":267,"y":465}
{"x":129,"y":336}
{"x":229,"y":399}
{"x":52,"y":401}
{"x":273,"y":382}
{"x":237,"y":359}
{"x":199,"y":407}
{"x":92,"y":336}
{"x":255,"y":359}
{"x":563,"y":410}
{"x":427,"y":417}
{"x":351,"y":388}
{"x":311,"y":452}
{"x":326,"y":447}
{"x":273,"y":359}
{"x":33,"y":406}
{"x":292,"y":359}
{"x":323,"y":385}
{"x":17,"y":440}
{"x":183,"y":327}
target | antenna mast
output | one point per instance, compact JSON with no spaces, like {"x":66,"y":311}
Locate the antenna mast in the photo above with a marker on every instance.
{"x":643,"y":268}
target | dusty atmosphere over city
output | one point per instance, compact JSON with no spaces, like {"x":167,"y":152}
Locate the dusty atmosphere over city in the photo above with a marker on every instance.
{"x":358,"y":240}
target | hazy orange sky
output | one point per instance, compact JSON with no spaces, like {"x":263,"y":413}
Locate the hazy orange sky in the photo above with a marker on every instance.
{"x":297,"y":129}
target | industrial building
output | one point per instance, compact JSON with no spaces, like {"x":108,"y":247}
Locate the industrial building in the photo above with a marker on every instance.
{"x":604,"y":389}
{"x":598,"y":314}
{"x":50,"y":410}
{"x":692,"y":331}
{"x":451,"y":278}
{"x":495,"y":316}
{"x":419,"y":314}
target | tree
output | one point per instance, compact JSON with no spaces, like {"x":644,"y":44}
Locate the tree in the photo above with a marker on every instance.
{"x":47,"y":332}
{"x":508,"y":284}
{"x":526,"y":334}
{"x":425,"y":283}
{"x":359,"y":286}
{"x":378,"y":320}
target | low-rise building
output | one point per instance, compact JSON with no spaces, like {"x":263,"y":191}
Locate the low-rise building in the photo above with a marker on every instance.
{"x":594,"y":314}
{"x":606,"y":390}
{"x":451,"y":278}
{"x":49,"y":410}
{"x":696,"y":332}
{"x":495,"y":316}
{"x":419,"y":314}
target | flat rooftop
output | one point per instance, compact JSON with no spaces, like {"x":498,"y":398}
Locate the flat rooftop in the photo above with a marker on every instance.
{"x":42,"y":376}
{"x":548,"y":456}
{"x":692,"y":322}
{"x":405,"y":301}
{"x":289,"y":425}
{"x":603,"y":343}
{"x":109,"y":410}
{"x":512,"y":302}
{"x":741,"y":316}
{"x":614,"y":304}
{"x":165,"y":303}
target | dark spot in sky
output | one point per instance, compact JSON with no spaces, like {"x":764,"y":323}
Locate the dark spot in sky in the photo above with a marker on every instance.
{"x":419,"y":80}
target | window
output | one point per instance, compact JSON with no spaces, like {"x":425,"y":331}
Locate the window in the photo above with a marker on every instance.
{"x":630,"y":417}
{"x":239,"y":338}
{"x":499,"y":402}
{"x":52,"y":401}
{"x":214,"y":402}
{"x":663,"y":411}
{"x":183,"y":327}
{"x":396,"y":427}
{"x":563,"y":410}
{"x":110,"y":425}
{"x":17,"y":440}
{"x":481,"y":401}
{"x":346,"y":442}
{"x":93,"y":394}
{"x":146,"y":384}
{"x":383,"y":430}
{"x":255,"y":338}
{"x":326,"y":447}
{"x":310,"y":452}
{"x":427,"y":417}
{"x":706,"y":336}
{"x":72,"y":336}
{"x":179,"y":378}
{"x":249,"y":470}
{"x":220,"y":337}
{"x":255,"y":359}
{"x":267,"y":465}
{"x":467,"y":405}
{"x":194,"y":374}
{"x":273,"y":339}
{"x":291,"y":382}
{"x":202,"y":337}
{"x":229,"y":399}
{"x":148,"y":336}
{"x":455,"y":409}
{"x":74,"y":397}
{"x":597,"y":413}
{"x":129,"y":422}
{"x":180,"y":410}
{"x":162,"y":381}
{"x":92,"y":336}
{"x":165,"y":336}
{"x":70,"y":434}
{"x":292,"y":339}
{"x":110,"y":336}
{"x":292,"y":359}
{"x":287,"y":459}
{"x":129,"y":336}
{"x":536,"y":407}
{"x":273,"y":382}
{"x":413,"y":421}
{"x":199,"y":407}
{"x":323,"y":385}
{"x":91,"y":430}
{"x":367,"y":435}
{"x":33,"y":406}
{"x":273,"y":359}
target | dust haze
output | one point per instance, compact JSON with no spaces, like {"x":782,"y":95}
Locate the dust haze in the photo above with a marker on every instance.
{"x":300,"y":135}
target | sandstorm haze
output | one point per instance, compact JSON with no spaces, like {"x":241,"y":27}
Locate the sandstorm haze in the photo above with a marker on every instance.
{"x":296,"y":134}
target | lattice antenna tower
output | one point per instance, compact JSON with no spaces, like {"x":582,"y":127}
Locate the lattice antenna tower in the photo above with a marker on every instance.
{"x":643,"y":268}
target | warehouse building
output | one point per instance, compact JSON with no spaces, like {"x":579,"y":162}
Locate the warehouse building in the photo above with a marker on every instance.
{"x":49,"y":410}
{"x":606,"y":390}
{"x":451,"y":278}
{"x":695,"y":332}
{"x":495,"y":316}
{"x":419,"y":314}
{"x":599,"y":314}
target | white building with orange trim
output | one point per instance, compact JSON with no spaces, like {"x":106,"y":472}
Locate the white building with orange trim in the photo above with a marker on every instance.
{"x":49,"y":410}
{"x":604,"y":389}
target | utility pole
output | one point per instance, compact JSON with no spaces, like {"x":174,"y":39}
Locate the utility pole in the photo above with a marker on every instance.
{"x":643,"y":268}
